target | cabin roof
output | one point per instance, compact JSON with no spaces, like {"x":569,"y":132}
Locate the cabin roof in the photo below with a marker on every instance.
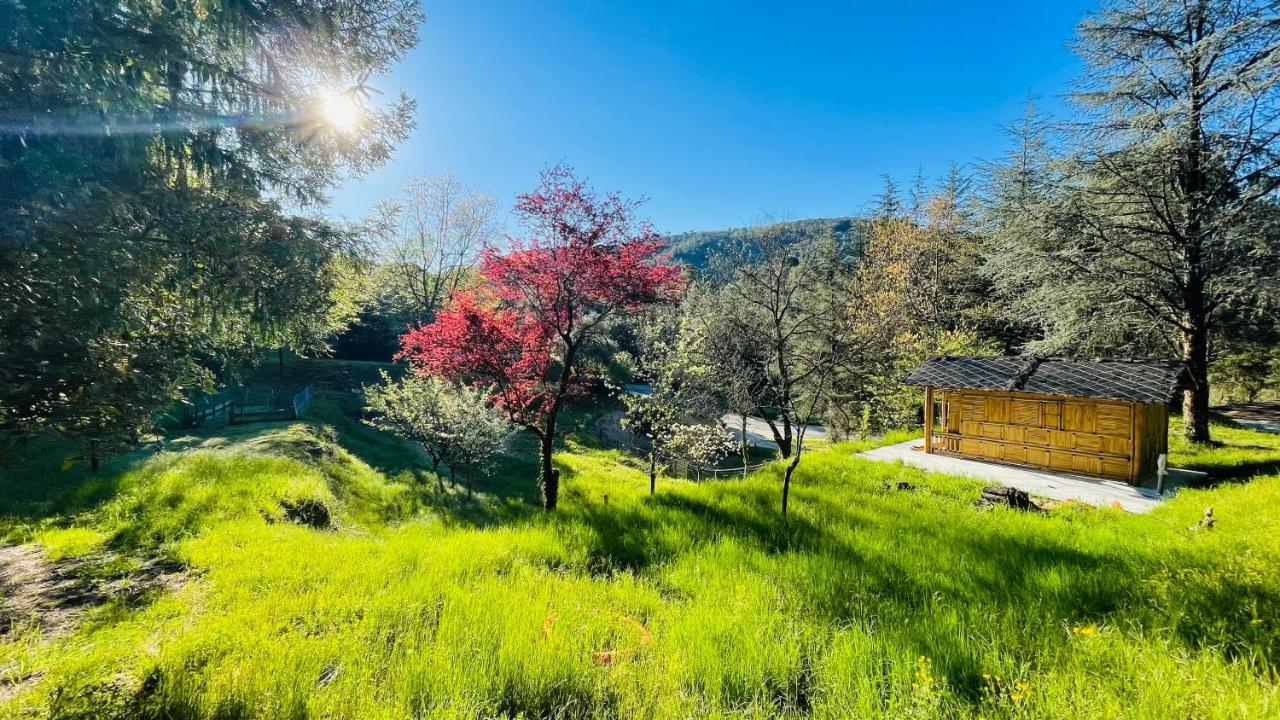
{"x":1148,"y":381}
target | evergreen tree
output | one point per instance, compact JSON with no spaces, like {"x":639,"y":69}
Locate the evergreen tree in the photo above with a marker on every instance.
{"x":1153,"y":223}
{"x":889,"y":201}
{"x":150,"y":156}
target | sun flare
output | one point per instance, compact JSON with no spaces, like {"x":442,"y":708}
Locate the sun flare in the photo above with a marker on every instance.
{"x":341,"y":111}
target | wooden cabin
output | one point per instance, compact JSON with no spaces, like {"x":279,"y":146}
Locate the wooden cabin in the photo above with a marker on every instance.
{"x":1107,"y":418}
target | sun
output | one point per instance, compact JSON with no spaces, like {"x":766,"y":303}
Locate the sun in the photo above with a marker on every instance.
{"x":341,"y":111}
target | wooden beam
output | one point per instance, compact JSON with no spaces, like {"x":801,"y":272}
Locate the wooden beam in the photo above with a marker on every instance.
{"x":1136,"y":446}
{"x":928,"y":419}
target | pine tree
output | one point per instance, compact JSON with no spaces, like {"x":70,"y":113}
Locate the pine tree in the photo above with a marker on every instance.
{"x":1154,"y":221}
{"x":889,"y":201}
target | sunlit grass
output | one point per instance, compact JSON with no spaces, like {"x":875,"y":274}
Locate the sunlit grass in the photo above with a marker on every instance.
{"x":698,"y":602}
{"x":1235,"y":453}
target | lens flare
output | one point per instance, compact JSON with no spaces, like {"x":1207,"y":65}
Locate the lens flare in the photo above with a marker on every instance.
{"x":341,"y":111}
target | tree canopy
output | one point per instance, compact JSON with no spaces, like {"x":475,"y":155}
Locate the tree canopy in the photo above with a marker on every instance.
{"x":1152,"y":223}
{"x":154,"y":160}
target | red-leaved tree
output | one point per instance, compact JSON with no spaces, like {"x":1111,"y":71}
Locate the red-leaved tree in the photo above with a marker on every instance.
{"x":524,"y":329}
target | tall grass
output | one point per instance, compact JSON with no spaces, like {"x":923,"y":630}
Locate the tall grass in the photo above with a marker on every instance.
{"x":697,"y":602}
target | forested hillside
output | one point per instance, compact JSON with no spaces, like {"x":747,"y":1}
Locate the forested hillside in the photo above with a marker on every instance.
{"x":696,"y":247}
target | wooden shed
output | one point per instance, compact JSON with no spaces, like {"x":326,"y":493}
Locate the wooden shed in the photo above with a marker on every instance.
{"x":1107,"y":418}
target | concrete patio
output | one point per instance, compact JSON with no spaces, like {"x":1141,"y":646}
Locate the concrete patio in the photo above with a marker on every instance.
{"x":1057,"y":486}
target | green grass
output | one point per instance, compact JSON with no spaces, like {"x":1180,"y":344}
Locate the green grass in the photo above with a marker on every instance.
{"x":1234,"y":454}
{"x":698,"y":602}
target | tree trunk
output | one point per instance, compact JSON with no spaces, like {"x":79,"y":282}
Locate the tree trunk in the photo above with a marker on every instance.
{"x":781,"y":438}
{"x":280,"y":361}
{"x":785,"y":444}
{"x":435,"y":470}
{"x":746,"y":452}
{"x":93,"y":455}
{"x":453,"y":480}
{"x":550,"y":477}
{"x":1195,"y":335}
{"x":786,"y":480}
{"x":1195,"y":400}
{"x":653,"y":473}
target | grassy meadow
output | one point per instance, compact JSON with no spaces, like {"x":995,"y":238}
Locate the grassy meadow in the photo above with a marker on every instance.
{"x":412,"y":601}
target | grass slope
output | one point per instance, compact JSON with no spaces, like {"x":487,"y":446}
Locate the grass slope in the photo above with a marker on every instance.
{"x":699,"y":602}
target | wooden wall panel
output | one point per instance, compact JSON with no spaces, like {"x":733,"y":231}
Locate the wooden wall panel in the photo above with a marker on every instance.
{"x":1116,"y":445}
{"x":1087,"y":442}
{"x":1052,"y":415}
{"x":998,"y":409}
{"x":1059,"y":460}
{"x":1080,"y":417}
{"x":1027,"y":412}
{"x":1037,"y":456}
{"x":1115,"y":420}
{"x":1112,"y":467}
{"x":972,"y":408}
{"x":1087,"y":464}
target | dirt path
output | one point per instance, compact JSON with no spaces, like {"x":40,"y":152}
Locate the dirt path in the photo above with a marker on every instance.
{"x":35,"y":592}
{"x":51,"y":596}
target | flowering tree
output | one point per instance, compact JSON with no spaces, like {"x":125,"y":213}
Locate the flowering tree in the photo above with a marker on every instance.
{"x":523,"y":330}
{"x":654,"y":418}
{"x":453,"y":424}
{"x":701,"y":445}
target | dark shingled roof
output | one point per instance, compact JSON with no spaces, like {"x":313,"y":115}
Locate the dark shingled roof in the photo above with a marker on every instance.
{"x":1149,"y":381}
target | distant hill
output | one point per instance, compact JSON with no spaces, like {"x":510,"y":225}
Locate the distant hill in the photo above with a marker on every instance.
{"x":696,"y":248}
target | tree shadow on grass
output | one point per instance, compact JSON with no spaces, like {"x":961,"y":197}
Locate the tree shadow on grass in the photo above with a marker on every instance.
{"x":385,"y":452}
{"x":1232,"y":474}
{"x":1035,"y":583}
{"x":635,"y":536}
{"x":36,"y":487}
{"x":507,"y":493}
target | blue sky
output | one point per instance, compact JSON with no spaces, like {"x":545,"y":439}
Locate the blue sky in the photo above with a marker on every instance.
{"x":720,"y":113}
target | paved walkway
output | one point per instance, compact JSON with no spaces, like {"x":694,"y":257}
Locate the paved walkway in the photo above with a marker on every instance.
{"x":1264,"y":416}
{"x":1058,"y":486}
{"x":759,"y":434}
